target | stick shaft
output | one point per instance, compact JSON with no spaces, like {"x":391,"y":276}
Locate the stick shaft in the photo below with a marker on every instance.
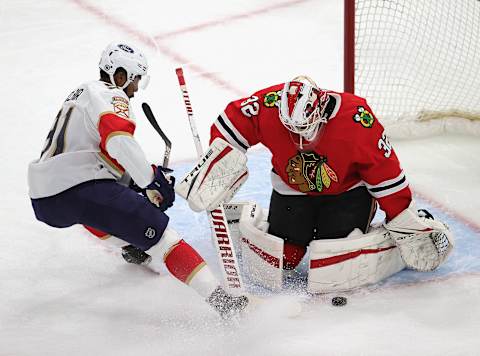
{"x":168,"y":144}
{"x":222,"y":237}
{"x":188,"y":106}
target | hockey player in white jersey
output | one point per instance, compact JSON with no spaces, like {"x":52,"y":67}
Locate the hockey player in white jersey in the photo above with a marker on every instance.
{"x":89,"y":147}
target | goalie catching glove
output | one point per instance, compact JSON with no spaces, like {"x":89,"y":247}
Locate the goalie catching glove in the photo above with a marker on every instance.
{"x":423,"y":242}
{"x":216,"y":178}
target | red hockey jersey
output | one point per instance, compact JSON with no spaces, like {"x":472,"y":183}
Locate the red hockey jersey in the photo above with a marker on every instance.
{"x":351,"y":150}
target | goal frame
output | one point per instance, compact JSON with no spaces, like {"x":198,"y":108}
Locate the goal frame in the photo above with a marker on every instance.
{"x":426,"y":122}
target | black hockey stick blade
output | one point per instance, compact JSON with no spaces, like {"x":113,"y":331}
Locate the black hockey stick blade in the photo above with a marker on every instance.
{"x":168,"y":144}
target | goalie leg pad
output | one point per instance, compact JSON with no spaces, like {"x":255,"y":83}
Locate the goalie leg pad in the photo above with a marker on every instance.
{"x":216,"y":178}
{"x":262,"y":253}
{"x":353,"y":261}
{"x":233,"y":212}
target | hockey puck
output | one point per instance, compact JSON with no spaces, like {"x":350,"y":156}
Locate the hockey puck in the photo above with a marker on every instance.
{"x":339,"y":301}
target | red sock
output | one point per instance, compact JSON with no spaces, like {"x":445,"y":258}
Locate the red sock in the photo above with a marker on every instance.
{"x":97,"y":233}
{"x":292,"y":255}
{"x":183,"y":261}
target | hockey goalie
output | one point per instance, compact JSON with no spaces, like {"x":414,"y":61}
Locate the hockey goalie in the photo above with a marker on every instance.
{"x":332,"y":166}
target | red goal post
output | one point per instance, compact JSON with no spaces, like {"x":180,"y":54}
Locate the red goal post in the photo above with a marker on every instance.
{"x":417,"y":62}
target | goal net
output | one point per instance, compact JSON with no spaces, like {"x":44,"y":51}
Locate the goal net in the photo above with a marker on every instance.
{"x":417,"y":62}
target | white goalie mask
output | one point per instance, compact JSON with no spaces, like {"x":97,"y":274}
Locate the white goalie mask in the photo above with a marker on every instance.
{"x":120,"y":55}
{"x":302,"y":106}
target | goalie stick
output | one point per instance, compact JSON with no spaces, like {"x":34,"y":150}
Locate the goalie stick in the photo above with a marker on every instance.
{"x":218,"y":222}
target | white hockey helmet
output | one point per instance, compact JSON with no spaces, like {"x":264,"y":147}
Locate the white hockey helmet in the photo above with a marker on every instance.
{"x":302,"y":106}
{"x":120,"y":55}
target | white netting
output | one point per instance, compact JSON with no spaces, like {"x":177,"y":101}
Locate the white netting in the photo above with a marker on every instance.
{"x":418,"y":64}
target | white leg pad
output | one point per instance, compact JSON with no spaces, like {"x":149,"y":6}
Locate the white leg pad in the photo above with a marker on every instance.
{"x":233,"y":212}
{"x":262,"y":253}
{"x":353,"y":261}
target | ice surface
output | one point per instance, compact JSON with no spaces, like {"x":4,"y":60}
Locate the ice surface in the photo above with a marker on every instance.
{"x":63,"y":292}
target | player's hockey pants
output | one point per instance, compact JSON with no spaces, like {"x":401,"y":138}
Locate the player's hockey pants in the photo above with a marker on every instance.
{"x":106,"y":206}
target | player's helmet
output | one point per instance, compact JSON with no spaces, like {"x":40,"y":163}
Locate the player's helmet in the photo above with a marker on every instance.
{"x":302,"y":106}
{"x":120,"y":55}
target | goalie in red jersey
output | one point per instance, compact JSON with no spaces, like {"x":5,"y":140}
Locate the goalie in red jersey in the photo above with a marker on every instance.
{"x":332,"y":165}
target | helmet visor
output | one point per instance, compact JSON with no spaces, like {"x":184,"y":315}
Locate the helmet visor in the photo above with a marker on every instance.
{"x":144,"y":80}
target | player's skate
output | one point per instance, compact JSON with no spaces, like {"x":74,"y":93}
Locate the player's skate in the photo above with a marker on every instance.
{"x":134,"y":255}
{"x":225,"y":304}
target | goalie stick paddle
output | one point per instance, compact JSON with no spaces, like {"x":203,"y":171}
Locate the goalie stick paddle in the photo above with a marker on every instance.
{"x":222,"y":237}
{"x":168,"y":144}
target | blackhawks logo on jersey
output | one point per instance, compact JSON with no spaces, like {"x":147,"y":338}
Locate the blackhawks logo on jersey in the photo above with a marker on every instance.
{"x":271,"y":99}
{"x":310,"y":172}
{"x":364,"y":117}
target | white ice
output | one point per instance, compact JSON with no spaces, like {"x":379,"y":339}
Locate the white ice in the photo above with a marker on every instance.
{"x":65,"y":293}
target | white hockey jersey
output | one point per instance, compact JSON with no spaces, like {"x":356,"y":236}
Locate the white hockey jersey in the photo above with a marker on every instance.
{"x":91,"y":138}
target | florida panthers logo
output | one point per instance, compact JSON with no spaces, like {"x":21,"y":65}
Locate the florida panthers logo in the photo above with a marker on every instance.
{"x":310,"y":172}
{"x":364,"y":117}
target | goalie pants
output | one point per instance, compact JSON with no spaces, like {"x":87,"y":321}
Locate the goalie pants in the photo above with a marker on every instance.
{"x":107,"y":206}
{"x":299,"y":219}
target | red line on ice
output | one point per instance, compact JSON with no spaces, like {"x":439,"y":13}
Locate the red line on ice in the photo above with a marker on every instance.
{"x":229,"y":19}
{"x":454,"y":213}
{"x":152,"y":43}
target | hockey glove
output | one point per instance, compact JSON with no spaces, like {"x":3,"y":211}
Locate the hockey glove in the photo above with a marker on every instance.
{"x":160,"y":192}
{"x":424,"y":243}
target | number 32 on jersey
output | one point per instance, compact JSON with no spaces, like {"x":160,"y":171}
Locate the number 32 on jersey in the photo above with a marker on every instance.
{"x":250,"y":106}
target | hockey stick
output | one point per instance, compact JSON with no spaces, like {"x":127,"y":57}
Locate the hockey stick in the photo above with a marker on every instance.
{"x":218,"y":221}
{"x":168,"y":144}
{"x":130,"y":253}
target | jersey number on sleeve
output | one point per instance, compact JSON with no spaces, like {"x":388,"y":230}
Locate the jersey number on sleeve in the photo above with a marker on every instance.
{"x":384,"y":144}
{"x":57,"y":136}
{"x":250,"y":106}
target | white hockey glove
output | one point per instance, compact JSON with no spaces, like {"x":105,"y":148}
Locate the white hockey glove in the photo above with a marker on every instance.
{"x":216,"y":178}
{"x":424,"y":243}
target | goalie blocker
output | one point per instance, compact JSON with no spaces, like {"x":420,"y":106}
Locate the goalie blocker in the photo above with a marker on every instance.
{"x":216,"y":178}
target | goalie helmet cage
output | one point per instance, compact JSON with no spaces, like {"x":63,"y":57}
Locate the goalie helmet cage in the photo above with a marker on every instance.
{"x":416,"y":62}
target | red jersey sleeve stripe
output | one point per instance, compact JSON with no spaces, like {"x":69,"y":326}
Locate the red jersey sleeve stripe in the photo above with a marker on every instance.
{"x":111,"y":125}
{"x":394,"y":204}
